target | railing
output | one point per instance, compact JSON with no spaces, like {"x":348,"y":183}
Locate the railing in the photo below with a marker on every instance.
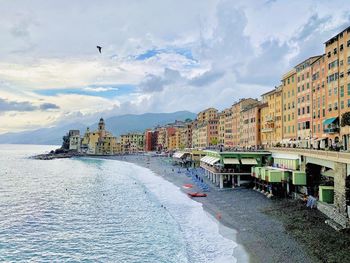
{"x":343,"y":157}
{"x":331,"y":130}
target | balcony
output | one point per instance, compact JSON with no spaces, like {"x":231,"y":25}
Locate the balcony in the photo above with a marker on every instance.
{"x":331,"y":130}
{"x":267,"y":130}
{"x":270,"y":119}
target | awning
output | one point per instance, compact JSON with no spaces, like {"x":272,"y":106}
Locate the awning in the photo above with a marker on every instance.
{"x":249,"y":161}
{"x":204,"y":159}
{"x":178,"y":155}
{"x":329,"y":121}
{"x":210,"y":160}
{"x":214,"y":160}
{"x":231,"y":161}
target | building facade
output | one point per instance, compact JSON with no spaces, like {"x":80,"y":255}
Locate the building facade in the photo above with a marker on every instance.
{"x":289,"y":91}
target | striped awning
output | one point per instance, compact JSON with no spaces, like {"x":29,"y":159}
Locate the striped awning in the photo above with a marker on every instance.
{"x":231,"y":161}
{"x":178,"y":155}
{"x":214,"y":160}
{"x":249,"y":161}
{"x":210,"y":160}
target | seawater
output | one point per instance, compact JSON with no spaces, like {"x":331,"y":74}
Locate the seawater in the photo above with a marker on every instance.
{"x":93,"y":210}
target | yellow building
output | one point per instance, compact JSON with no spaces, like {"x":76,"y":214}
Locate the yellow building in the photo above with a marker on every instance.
{"x":271,"y":117}
{"x":99,"y":142}
{"x":221,"y":128}
{"x":208,"y":114}
{"x":195,"y":135}
{"x":132,"y":142}
{"x":228,"y":140}
{"x":186,"y":136}
{"x":289,"y":90}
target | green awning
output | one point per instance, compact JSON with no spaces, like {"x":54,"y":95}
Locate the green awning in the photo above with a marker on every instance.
{"x":329,"y":121}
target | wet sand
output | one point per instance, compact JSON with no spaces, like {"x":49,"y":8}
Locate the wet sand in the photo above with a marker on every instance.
{"x":262,"y":236}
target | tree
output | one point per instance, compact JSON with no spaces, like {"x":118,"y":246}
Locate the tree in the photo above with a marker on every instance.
{"x":345,"y":119}
{"x":65,"y":143}
{"x":214,"y":141}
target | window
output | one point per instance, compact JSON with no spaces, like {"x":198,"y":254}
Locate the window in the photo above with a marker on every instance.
{"x":329,"y":107}
{"x":335,"y":105}
{"x":307,"y":125}
{"x":330,"y":92}
{"x":299,"y":111}
{"x":348,"y":88}
{"x":341,"y":62}
{"x":348,"y":103}
{"x":341,"y":47}
{"x":323,"y":112}
{"x":307,"y":75}
{"x":302,"y":77}
{"x":298,"y":89}
{"x":341,"y":91}
{"x":303,"y":110}
{"x":348,"y":43}
{"x":302,"y":88}
{"x":348,"y":60}
{"x":342,"y":104}
{"x":307,"y":85}
{"x":293,"y":79}
{"x":308,"y":109}
{"x":298,"y":100}
{"x":335,"y":90}
{"x":307,"y":97}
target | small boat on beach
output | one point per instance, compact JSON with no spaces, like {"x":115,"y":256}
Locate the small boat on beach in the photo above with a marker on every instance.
{"x":197,"y":194}
{"x":187,"y":186}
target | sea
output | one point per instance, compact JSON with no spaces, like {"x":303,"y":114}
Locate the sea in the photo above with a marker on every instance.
{"x":95,"y":210}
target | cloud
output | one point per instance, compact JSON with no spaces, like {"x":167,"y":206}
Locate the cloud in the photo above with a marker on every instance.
{"x":6,"y":105}
{"x":49,"y":106}
{"x":154,"y":83}
{"x":206,"y":78}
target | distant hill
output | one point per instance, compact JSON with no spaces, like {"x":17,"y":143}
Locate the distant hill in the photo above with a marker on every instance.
{"x":116,"y":124}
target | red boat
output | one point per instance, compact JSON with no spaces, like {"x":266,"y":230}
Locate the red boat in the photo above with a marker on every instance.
{"x":197,"y":194}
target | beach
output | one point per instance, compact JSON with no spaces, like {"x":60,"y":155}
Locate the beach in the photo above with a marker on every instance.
{"x":263,"y":237}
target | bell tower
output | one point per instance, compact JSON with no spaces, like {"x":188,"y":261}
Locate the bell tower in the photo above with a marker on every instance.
{"x":101,"y":128}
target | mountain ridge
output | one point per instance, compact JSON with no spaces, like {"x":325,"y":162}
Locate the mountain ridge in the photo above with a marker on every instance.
{"x":116,"y":124}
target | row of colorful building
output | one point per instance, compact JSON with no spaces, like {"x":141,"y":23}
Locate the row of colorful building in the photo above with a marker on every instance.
{"x":305,"y":110}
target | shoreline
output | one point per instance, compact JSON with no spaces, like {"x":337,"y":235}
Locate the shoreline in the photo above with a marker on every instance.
{"x":261,"y":237}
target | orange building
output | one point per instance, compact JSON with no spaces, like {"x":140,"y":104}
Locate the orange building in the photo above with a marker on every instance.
{"x":338,"y":87}
{"x":237,"y":123}
{"x":318,"y":69}
{"x":304,"y":101}
{"x":250,"y":128}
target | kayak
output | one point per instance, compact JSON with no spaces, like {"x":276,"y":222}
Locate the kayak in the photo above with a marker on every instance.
{"x":197,"y":194}
{"x":186,"y":186}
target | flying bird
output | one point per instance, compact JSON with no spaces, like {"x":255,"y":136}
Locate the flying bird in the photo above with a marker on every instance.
{"x":99,"y":48}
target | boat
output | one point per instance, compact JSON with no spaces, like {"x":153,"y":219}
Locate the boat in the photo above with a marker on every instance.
{"x":187,"y":186}
{"x":197,"y":194}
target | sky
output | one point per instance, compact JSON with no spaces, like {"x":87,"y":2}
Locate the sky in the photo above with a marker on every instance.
{"x":157,"y":55}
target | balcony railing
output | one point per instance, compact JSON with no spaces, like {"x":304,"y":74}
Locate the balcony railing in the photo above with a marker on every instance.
{"x":267,"y":130}
{"x":331,"y":130}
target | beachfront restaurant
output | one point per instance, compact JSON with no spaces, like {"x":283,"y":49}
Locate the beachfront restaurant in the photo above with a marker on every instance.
{"x":281,"y":176}
{"x":182,"y":158}
{"x":231,"y":169}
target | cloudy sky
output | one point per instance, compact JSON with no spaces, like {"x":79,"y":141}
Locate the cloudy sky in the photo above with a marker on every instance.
{"x":157,"y":55}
